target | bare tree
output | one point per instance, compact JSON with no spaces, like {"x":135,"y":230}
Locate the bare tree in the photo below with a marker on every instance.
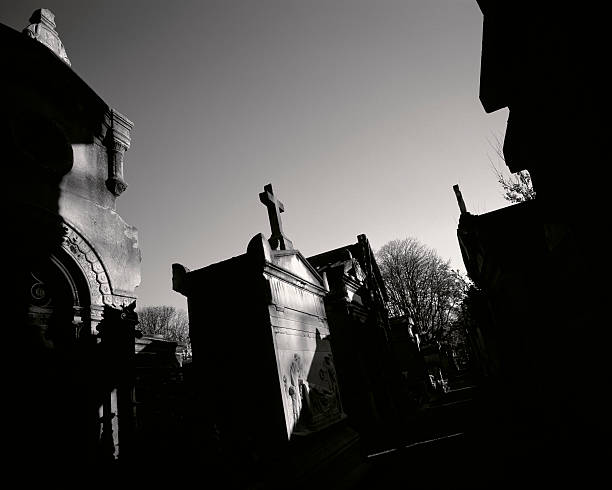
{"x":420,"y":285}
{"x":516,"y":187}
{"x":167,"y":321}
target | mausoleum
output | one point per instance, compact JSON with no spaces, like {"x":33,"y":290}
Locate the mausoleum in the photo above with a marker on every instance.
{"x":63,"y":149}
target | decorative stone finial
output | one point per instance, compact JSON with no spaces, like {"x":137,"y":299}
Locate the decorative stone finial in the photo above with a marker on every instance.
{"x":44,"y":16}
{"x":42,"y":28}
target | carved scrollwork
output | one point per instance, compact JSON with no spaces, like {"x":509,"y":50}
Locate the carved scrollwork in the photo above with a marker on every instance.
{"x":99,"y":283}
{"x":86,"y":257}
{"x":39,"y":295}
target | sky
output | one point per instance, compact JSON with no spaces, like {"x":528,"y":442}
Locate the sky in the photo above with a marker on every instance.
{"x":362,"y":114}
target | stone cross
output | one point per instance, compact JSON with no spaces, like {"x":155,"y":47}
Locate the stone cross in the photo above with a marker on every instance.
{"x":278,"y":240}
{"x":460,"y":201}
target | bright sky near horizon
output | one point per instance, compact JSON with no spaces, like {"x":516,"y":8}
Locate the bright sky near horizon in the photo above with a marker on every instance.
{"x":362,"y":114}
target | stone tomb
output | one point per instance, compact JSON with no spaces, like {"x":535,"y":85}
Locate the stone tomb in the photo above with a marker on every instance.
{"x":358,"y":320}
{"x":75,"y":261}
{"x":263,"y":364}
{"x":162,"y":401}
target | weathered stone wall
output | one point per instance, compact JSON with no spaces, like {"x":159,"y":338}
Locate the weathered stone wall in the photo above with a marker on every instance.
{"x":65,"y":148}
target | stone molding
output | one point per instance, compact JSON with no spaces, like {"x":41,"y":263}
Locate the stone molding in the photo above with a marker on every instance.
{"x":120,"y":128}
{"x":85,"y":256}
{"x":294,"y":332}
{"x":91,"y":265}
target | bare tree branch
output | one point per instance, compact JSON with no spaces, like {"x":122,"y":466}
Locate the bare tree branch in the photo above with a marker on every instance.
{"x":516,"y":187}
{"x":420,"y":285}
{"x":167,"y":321}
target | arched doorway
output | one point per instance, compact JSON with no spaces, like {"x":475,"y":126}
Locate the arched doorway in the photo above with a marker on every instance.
{"x":60,"y":366}
{"x":59,"y":300}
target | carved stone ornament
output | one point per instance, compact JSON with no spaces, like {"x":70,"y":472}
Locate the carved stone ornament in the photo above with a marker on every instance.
{"x":116,"y":186}
{"x":296,"y":387}
{"x":78,"y":248}
{"x":117,"y":143}
{"x":42,"y":28}
{"x":39,"y":293}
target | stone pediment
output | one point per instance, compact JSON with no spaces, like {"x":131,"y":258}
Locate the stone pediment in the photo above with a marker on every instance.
{"x":294,"y":262}
{"x":287,"y":261}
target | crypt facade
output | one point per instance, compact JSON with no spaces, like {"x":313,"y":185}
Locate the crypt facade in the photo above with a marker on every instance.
{"x":64,"y":150}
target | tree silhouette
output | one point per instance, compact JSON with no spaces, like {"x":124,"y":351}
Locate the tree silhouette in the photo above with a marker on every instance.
{"x":516,"y":187}
{"x":421,"y":286}
{"x":166,"y":321}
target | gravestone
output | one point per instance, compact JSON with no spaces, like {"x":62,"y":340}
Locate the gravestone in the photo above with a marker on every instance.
{"x":269,"y":397}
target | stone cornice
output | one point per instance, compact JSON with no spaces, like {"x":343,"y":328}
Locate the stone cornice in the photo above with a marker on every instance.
{"x":119,"y":129}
